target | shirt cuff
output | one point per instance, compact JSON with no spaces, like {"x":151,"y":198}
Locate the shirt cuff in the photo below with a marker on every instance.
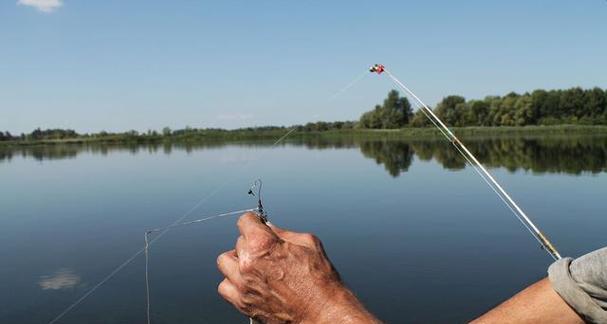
{"x":569,"y":289}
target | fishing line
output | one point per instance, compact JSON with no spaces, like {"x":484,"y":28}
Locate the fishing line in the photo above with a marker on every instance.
{"x":179,"y":220}
{"x":156,"y":230}
{"x":483,"y":173}
{"x":476,"y":169}
{"x":349,"y":85}
{"x":161,"y":233}
{"x":200,"y":220}
{"x":99,"y":284}
{"x":259,"y":210}
{"x":479,"y":168}
{"x":420,"y":105}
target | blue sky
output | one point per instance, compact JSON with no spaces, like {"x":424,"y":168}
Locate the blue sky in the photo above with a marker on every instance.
{"x":119,"y":65}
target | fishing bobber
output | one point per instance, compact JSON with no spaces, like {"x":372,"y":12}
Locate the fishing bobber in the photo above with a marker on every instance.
{"x":377,"y":68}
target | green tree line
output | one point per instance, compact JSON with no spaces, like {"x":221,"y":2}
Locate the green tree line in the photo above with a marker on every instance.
{"x":540,"y":107}
{"x":39,"y":134}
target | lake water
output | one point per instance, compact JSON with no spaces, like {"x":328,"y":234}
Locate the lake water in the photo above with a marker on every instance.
{"x":418,"y":236}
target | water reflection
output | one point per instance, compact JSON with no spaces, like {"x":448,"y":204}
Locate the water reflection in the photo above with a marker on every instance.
{"x":395,"y":156}
{"x":61,"y":279}
{"x":571,"y":155}
{"x":538,"y":155}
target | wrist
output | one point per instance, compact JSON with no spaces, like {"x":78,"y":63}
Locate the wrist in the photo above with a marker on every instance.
{"x":340,"y":306}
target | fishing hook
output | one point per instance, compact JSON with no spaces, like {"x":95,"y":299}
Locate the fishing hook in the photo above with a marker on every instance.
{"x":260,"y":211}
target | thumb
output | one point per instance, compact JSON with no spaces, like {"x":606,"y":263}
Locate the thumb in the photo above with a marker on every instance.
{"x":302,"y":239}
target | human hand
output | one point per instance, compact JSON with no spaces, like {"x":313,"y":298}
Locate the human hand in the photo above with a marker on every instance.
{"x":279,"y":276}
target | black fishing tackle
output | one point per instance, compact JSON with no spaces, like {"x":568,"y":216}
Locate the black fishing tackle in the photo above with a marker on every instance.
{"x":260,"y":211}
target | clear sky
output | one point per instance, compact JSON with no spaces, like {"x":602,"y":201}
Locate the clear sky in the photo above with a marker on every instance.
{"x":118,"y":65}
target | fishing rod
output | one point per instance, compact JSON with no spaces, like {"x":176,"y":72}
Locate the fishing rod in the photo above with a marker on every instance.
{"x":473,"y":161}
{"x":379,"y":69}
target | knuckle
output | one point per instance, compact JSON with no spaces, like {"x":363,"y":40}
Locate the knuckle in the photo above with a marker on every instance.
{"x":240,"y":240}
{"x":240,"y":243}
{"x":246,"y":266}
{"x":240,"y":286}
{"x":310,"y":238}
{"x":245,"y":218}
{"x":249,"y":214}
{"x":261,"y":241}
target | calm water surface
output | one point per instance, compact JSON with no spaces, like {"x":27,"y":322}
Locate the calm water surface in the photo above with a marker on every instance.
{"x":418,"y":236}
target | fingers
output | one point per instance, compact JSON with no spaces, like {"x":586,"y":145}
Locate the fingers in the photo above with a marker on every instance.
{"x":229,"y":292}
{"x":250,"y":225}
{"x":257,"y":236}
{"x":303,"y":239}
{"x":227,"y":263}
{"x":241,"y":247}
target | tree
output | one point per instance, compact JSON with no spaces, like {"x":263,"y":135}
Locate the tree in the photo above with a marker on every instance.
{"x":166,"y":131}
{"x":447,"y":110}
{"x":371,"y":119}
{"x":394,"y":113}
{"x":420,"y":120}
{"x":36,"y":134}
{"x":477,"y":113}
{"x":595,"y":102}
{"x":523,"y":111}
{"x":396,"y":110}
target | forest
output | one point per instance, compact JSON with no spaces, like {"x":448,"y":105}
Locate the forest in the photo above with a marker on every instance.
{"x":575,"y":106}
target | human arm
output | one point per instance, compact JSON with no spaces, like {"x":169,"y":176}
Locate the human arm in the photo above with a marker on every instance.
{"x":279,"y":276}
{"x":575,"y":291}
{"x":537,"y":304}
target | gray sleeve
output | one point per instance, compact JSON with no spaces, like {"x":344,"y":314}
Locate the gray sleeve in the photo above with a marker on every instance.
{"x":582,"y":283}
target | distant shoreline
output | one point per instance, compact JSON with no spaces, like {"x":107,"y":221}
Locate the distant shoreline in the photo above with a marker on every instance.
{"x":252,"y":134}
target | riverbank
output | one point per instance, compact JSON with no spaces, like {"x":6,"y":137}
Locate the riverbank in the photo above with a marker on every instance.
{"x":252,"y":134}
{"x":468,"y":132}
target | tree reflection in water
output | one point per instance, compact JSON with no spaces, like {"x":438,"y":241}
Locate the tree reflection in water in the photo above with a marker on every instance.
{"x":571,"y":155}
{"x":396,"y":156}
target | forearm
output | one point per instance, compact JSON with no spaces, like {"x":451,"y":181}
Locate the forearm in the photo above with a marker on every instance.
{"x":537,"y":304}
{"x":343,"y":307}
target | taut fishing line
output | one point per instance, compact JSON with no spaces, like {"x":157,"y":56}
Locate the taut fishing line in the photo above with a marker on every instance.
{"x":259,"y":210}
{"x":477,"y":166}
{"x":156,"y":230}
{"x":444,"y":130}
{"x":178,"y":222}
{"x":161,"y":232}
{"x":476,"y":169}
{"x":349,"y":85}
